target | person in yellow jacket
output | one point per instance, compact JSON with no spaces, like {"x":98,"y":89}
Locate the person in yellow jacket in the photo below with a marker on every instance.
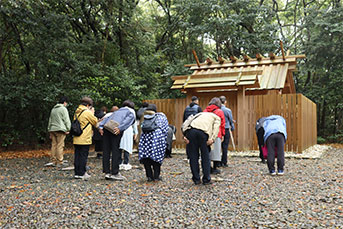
{"x":82,"y":142}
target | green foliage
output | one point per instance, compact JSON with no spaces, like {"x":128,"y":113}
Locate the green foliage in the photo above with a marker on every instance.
{"x":117,"y":50}
{"x":321,"y":140}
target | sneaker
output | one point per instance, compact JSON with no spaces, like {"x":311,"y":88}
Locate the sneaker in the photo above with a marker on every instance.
{"x":207,"y":183}
{"x":85,"y":176}
{"x":150,"y":179}
{"x":127,"y":167}
{"x":62,"y":165}
{"x":272,"y":172}
{"x":224,"y":165}
{"x":50,"y":164}
{"x":121,"y":167}
{"x":93,"y":155}
{"x":280,"y":172}
{"x":68,"y":168}
{"x":77,"y":177}
{"x":215,"y":171}
{"x":158,"y":179}
{"x":197,"y":182}
{"x":107,"y":176}
{"x":116,"y":177}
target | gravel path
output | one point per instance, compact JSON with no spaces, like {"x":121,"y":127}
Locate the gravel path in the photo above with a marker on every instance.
{"x":308,"y":195}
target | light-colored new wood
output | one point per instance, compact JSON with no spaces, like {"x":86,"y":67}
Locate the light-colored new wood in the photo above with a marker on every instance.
{"x":298,"y":111}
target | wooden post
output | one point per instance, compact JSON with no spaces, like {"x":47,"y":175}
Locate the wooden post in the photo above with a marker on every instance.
{"x":196,"y":58}
{"x":283,"y":52}
{"x":241,"y":120}
{"x":299,"y":123}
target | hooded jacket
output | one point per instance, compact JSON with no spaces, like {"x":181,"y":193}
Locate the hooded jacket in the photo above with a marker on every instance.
{"x":274,"y":124}
{"x":216,"y":110}
{"x":59,"y":119}
{"x":86,"y":117}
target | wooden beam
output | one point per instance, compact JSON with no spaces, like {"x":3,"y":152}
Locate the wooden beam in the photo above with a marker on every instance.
{"x":244,"y":61}
{"x":288,"y":52}
{"x":259,"y":56}
{"x":221,"y":60}
{"x":244,"y":64}
{"x":301,"y":56}
{"x":246,"y":58}
{"x":271,"y":56}
{"x":196,"y":58}
{"x":209,"y":61}
{"x":233,"y":59}
{"x":283,"y":52}
{"x":179,"y":77}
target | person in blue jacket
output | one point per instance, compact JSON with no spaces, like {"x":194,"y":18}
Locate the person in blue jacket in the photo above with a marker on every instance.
{"x":275,"y":136}
{"x":125,"y":117}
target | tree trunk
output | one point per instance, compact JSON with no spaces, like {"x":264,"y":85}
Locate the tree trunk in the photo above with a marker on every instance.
{"x":120,"y":32}
{"x":322,"y":121}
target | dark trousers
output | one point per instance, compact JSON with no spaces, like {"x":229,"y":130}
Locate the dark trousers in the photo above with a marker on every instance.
{"x":80,"y":159}
{"x":98,"y":145}
{"x":111,"y":145}
{"x":198,"y":140}
{"x":276,"y":140}
{"x":126,"y":157}
{"x":260,"y":141}
{"x":151,"y":165}
{"x":225,"y":145}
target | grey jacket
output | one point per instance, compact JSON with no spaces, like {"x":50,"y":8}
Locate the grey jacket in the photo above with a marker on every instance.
{"x":123,"y":116}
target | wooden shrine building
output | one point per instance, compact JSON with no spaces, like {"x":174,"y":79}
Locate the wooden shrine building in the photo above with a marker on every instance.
{"x":254,"y":87}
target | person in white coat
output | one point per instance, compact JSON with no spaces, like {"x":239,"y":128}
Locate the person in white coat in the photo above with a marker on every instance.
{"x":126,"y":142}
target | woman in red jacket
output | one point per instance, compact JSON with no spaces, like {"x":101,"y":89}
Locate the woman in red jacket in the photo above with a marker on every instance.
{"x":215,"y":156}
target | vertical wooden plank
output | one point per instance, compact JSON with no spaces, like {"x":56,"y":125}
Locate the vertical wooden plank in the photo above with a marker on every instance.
{"x":241,"y":119}
{"x":299,"y":123}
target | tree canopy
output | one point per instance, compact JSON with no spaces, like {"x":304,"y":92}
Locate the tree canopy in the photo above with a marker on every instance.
{"x":115,"y":50}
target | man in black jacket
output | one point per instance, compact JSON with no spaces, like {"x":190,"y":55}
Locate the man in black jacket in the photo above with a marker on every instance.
{"x":192,"y":108}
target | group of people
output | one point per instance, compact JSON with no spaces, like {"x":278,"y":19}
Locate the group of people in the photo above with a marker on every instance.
{"x":206,"y":134}
{"x":113,"y":134}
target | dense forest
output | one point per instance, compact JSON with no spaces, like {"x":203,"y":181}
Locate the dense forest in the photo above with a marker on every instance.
{"x":112,"y":50}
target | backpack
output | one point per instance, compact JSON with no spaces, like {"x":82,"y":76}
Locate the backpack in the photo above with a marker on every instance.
{"x":149,"y":123}
{"x":75,"y":129}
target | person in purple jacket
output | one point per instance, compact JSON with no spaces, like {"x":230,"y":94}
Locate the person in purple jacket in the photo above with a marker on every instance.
{"x":275,"y":135}
{"x":125,"y":118}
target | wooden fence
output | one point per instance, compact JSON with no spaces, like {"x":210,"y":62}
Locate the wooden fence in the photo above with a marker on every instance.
{"x":298,"y":111}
